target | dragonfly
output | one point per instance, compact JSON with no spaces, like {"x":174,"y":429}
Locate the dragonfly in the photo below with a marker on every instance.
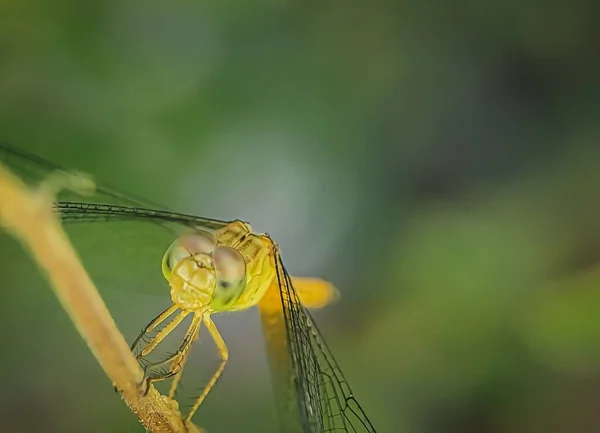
{"x":210,"y":266}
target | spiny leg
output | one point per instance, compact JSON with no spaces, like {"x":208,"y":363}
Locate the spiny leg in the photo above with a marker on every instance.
{"x":222,"y":347}
{"x":162,"y":334}
{"x":177,"y":377}
{"x":155,"y":322}
{"x":177,"y":360}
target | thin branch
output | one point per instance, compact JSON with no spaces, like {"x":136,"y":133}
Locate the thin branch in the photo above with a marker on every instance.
{"x":28,"y":216}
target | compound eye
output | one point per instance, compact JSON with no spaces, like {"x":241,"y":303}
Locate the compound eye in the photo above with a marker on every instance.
{"x":188,"y":245}
{"x":230,"y":266}
{"x":198,"y":242}
{"x":174,"y":255}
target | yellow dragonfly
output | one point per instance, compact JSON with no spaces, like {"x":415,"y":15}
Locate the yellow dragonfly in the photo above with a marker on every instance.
{"x":211,"y":266}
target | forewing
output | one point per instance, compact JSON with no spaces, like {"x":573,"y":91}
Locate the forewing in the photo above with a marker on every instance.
{"x":325,"y":402}
{"x":120,"y":239}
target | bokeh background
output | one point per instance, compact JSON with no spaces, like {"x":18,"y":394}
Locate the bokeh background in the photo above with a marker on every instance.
{"x":438,"y":161}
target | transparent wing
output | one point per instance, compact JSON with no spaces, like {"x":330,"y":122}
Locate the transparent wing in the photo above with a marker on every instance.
{"x":34,"y":169}
{"x":121,"y":240}
{"x":282,"y":371}
{"x":321,"y":398}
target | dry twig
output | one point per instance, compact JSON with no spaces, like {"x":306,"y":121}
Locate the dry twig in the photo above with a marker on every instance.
{"x":28,"y":216}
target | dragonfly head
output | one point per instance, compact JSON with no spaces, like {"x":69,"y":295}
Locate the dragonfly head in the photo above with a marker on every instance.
{"x":193,"y":282}
{"x":203,"y":274}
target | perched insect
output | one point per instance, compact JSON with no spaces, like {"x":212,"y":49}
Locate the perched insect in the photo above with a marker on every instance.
{"x":211,"y":266}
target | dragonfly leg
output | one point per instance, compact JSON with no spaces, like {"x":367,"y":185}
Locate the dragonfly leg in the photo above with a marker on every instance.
{"x":177,"y":377}
{"x":176,"y":361}
{"x":152,"y":325}
{"x":222,"y":347}
{"x":161,"y":335}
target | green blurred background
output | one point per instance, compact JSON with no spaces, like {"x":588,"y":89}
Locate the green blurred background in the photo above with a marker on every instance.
{"x":438,"y":162}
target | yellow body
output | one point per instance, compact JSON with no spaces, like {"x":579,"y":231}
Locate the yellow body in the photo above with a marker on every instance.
{"x":215,"y":271}
{"x":258,"y":253}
